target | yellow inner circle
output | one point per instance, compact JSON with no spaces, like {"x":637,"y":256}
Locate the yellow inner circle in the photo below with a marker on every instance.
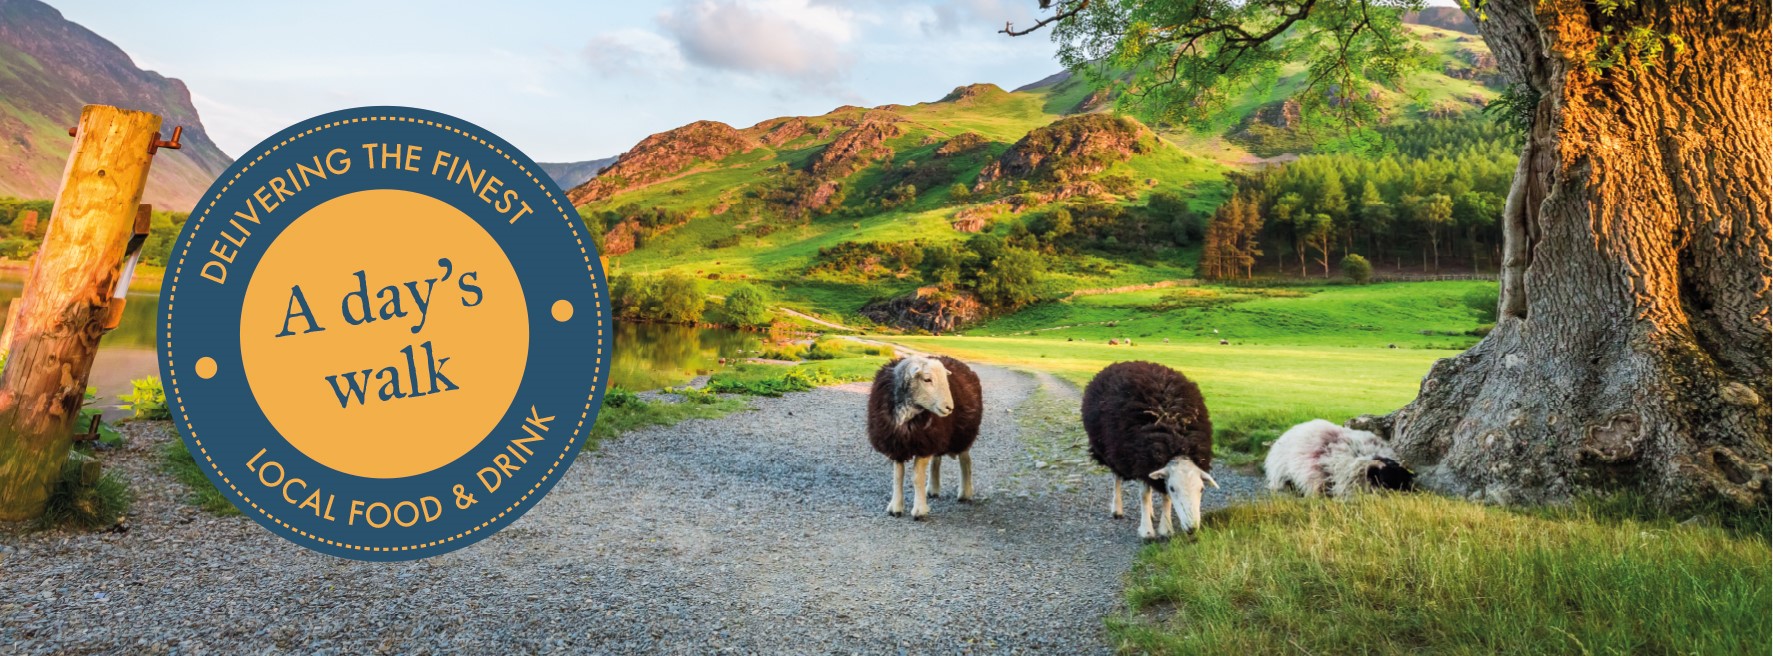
{"x":408,"y":420}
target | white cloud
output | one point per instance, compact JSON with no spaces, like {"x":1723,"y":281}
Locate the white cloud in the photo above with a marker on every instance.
{"x":790,"y":39}
{"x":632,"y":51}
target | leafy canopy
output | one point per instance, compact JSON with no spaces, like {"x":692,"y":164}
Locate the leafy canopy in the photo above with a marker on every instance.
{"x":1182,"y":61}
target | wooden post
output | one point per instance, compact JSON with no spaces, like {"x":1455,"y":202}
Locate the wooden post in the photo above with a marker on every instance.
{"x":65,"y":302}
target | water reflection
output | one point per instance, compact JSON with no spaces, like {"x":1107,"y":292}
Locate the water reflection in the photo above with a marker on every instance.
{"x":650,"y":356}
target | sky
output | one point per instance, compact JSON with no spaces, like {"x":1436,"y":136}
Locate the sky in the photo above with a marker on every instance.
{"x":565,"y":81}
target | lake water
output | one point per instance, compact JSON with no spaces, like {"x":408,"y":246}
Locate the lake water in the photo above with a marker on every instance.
{"x":646,"y":356}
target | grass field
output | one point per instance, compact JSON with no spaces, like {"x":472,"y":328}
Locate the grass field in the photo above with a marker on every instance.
{"x":1254,"y":392}
{"x":1410,"y":315}
{"x":1410,"y":574}
{"x":1295,"y":353}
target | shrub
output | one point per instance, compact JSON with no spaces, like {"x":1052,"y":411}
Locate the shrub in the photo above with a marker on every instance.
{"x":747,"y":307}
{"x":617,"y":396}
{"x":782,"y":353}
{"x":673,"y":297}
{"x":147,"y":400}
{"x":1357,"y":269}
{"x":699,"y":395}
{"x":1009,"y":281}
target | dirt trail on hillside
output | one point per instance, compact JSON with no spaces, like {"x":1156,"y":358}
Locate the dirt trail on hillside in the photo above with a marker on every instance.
{"x":763,"y":532}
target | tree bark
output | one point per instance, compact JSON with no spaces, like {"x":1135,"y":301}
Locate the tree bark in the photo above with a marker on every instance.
{"x":1632,"y":348}
{"x":65,"y":302}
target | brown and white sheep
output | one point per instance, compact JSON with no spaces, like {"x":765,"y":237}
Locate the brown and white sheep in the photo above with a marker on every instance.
{"x":920,"y":409}
{"x":1147,"y":422}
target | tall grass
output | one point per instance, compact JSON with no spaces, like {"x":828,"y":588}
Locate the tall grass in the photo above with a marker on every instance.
{"x":79,"y":503}
{"x":1423,"y":574}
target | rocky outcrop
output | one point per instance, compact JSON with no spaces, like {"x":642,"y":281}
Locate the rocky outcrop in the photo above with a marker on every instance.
{"x":821,"y":196}
{"x":1096,"y":101}
{"x":49,"y":68}
{"x":662,"y":156}
{"x":857,"y":147}
{"x":1446,"y":18}
{"x":1476,"y":64}
{"x":620,"y":240}
{"x":1070,"y":148}
{"x":976,"y":218}
{"x":776,"y":132}
{"x":1281,"y":114}
{"x":961,"y":144}
{"x":973,"y":92}
{"x":933,"y":309}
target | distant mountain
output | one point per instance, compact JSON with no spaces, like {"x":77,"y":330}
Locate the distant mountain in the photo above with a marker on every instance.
{"x":50,"y":68}
{"x":573,"y":174}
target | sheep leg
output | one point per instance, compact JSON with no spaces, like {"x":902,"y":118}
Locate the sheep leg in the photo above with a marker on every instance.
{"x":966,"y":478}
{"x":936,"y":477}
{"x":920,"y":478}
{"x":1118,"y":511}
{"x":1145,"y":517}
{"x":1164,"y":529}
{"x":896,"y":507}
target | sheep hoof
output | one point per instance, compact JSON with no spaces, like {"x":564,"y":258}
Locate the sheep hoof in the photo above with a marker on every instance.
{"x":1118,"y":515}
{"x":895,"y":512}
{"x":963,"y":499}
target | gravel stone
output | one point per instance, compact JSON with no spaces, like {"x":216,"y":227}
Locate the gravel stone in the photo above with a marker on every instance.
{"x":761,"y":532}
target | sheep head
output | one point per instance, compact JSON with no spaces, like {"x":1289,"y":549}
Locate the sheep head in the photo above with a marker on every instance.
{"x":1184,"y":481}
{"x":923,"y":385}
{"x":1387,"y":474}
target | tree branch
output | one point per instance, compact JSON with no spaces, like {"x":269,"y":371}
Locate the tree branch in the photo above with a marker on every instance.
{"x":1010,"y":28}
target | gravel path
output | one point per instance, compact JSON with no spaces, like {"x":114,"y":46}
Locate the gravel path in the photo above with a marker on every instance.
{"x":763,"y":532}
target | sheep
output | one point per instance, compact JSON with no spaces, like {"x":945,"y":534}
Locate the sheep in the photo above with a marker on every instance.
{"x":1318,"y":458}
{"x":920,"y":409}
{"x":1148,"y":422}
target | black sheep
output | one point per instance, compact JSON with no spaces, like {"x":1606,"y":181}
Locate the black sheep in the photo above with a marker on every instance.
{"x":923,"y":408}
{"x":1148,"y":422}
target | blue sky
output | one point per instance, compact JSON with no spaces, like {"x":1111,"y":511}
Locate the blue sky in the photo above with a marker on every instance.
{"x":565,"y":81}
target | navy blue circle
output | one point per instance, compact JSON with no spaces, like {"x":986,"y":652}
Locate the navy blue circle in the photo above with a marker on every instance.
{"x":564,"y":377}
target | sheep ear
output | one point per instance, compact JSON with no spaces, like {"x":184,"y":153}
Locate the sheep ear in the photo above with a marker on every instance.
{"x":1159,"y":474}
{"x":1209,"y":479}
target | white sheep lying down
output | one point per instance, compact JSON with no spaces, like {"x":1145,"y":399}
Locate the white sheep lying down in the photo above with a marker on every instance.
{"x":1318,"y":458}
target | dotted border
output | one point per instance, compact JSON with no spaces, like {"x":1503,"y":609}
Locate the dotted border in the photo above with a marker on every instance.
{"x":179,"y":400}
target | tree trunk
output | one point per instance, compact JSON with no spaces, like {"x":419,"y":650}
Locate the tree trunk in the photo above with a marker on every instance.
{"x":65,"y":302}
{"x":1632,"y":348}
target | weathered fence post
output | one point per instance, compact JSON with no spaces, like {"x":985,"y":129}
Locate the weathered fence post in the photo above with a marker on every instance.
{"x":66,"y":301}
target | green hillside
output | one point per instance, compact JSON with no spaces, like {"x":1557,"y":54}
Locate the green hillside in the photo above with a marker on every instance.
{"x":833,"y":212}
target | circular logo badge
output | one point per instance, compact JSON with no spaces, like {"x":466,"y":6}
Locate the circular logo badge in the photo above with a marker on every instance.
{"x":384,"y":333}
